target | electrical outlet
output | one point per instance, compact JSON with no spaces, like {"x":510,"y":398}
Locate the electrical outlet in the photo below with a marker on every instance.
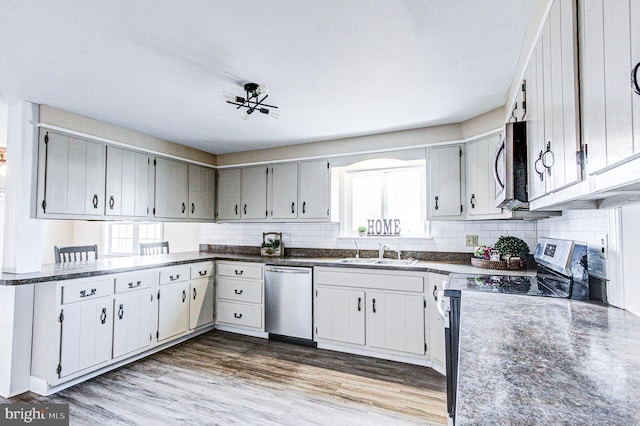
{"x":471,"y":240}
{"x":604,"y":245}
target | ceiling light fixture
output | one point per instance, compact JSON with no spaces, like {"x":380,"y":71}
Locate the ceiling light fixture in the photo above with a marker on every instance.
{"x":252,"y":101}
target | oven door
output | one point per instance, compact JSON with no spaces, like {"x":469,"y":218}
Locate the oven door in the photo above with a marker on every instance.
{"x":449,"y":309}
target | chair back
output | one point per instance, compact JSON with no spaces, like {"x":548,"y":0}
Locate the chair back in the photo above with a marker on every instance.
{"x":154,"y":248}
{"x":75,"y":253}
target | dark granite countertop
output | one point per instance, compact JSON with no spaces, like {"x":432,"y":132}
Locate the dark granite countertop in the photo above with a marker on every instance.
{"x":56,"y":272}
{"x":546,"y":361}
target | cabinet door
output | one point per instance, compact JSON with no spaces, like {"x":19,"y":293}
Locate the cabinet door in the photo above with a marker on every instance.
{"x":535,"y":124}
{"x":202,"y":192}
{"x":481,"y":190}
{"x":170,"y":188}
{"x":133,"y":322}
{"x":127,"y":183}
{"x":85,"y":335}
{"x":253,"y":193}
{"x":436,"y":322}
{"x":313,"y":190}
{"x":340,"y":315}
{"x":201,"y":303}
{"x":284,"y":191}
{"x":396,"y":322}
{"x":445,"y":198}
{"x":173,"y":310}
{"x":228,"y":200}
{"x":73,"y":175}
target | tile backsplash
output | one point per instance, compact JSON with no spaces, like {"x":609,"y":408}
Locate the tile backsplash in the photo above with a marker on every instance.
{"x":445,"y":236}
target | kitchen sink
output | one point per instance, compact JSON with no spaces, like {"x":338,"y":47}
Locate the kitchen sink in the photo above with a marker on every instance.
{"x":373,"y":261}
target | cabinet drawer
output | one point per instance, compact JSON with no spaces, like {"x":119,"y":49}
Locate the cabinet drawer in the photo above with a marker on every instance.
{"x":239,"y":290}
{"x":174,"y":274}
{"x":239,"y":314}
{"x":379,"y":280}
{"x":136,"y":281}
{"x":240,"y":270}
{"x":86,"y":290}
{"x":201,"y":270}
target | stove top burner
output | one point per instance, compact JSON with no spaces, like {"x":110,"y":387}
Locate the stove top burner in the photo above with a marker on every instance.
{"x":517,"y":284}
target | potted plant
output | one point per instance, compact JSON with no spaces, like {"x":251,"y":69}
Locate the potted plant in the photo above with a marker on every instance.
{"x":511,"y":246}
{"x":362,"y":231}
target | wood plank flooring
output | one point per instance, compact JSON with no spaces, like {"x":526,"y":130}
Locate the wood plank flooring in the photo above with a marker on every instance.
{"x":222,"y":378}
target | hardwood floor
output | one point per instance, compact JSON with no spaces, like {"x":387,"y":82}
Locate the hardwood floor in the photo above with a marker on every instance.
{"x":222,"y":378}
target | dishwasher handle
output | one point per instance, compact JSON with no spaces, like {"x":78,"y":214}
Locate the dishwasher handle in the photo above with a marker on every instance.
{"x":288,"y":271}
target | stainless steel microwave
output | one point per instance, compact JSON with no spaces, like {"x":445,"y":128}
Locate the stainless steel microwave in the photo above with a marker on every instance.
{"x":510,"y":168}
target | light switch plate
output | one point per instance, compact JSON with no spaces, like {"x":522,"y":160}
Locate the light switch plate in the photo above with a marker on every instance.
{"x":603,"y":239}
{"x":471,"y":240}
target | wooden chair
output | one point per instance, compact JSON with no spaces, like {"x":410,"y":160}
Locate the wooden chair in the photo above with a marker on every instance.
{"x":75,"y":253}
{"x":154,"y":248}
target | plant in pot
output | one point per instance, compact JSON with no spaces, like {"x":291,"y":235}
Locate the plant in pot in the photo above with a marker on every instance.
{"x":270,"y":247}
{"x":362,"y":231}
{"x":511,"y":246}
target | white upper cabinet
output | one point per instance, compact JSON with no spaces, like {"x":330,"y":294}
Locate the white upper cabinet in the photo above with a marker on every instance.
{"x":253,"y":192}
{"x":444,"y":182}
{"x":170,"y":189}
{"x":71,"y":176}
{"x":284,"y":191}
{"x":202,"y":192}
{"x":481,"y":187}
{"x":127,"y":183}
{"x":228,"y":195}
{"x":314,"y":190}
{"x":535,"y":124}
{"x":609,"y":52}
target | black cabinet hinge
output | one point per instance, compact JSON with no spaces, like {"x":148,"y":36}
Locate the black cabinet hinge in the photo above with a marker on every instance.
{"x":425,"y":303}
{"x":154,"y":162}
{"x":147,"y":210}
{"x":59,"y":369}
{"x":460,"y":152}
{"x":154,"y":211}
{"x":61,"y":317}
{"x":316,"y":330}
{"x":425,"y":347}
{"x":267,"y":171}
{"x":461,"y":208}
{"x":148,"y":161}
{"x":150,"y":337}
{"x":46,"y":137}
{"x":328,"y":165}
{"x":157,"y":334}
{"x":44,"y":206}
{"x":158,"y":294}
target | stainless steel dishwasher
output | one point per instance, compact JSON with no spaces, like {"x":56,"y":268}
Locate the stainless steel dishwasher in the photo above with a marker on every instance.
{"x":288,"y":303}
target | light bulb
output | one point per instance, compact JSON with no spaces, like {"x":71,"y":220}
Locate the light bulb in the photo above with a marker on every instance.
{"x":261,"y":90}
{"x":274,"y":114}
{"x":226,"y":96}
{"x":244,"y":115}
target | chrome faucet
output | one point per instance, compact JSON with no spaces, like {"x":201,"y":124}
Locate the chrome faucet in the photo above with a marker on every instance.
{"x":399,"y":254}
{"x":383,"y":247}
{"x":357,"y":249}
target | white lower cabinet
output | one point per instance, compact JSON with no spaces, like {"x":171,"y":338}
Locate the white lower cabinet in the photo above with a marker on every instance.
{"x":201,"y":303}
{"x":173,"y":310}
{"x":340,"y":315}
{"x":381,"y":310}
{"x":436,"y":322}
{"x":240,"y":296}
{"x":133,"y":324}
{"x":396,"y":322}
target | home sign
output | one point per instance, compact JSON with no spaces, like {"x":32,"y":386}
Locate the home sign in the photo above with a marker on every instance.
{"x":383,"y":226}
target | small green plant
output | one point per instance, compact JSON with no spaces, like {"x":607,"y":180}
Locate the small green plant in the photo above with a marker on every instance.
{"x":362,"y":229}
{"x":512,"y":246}
{"x":271,"y":243}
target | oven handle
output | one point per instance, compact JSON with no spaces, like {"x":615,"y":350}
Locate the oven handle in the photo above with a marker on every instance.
{"x":496,"y":159}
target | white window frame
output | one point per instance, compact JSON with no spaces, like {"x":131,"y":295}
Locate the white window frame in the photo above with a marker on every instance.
{"x":135,"y":238}
{"x":371,"y":166}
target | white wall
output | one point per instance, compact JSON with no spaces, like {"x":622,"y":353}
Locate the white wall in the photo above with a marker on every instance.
{"x":55,"y":233}
{"x":182,"y":236}
{"x":446,"y":236}
{"x":579,"y":225}
{"x":631,"y":258}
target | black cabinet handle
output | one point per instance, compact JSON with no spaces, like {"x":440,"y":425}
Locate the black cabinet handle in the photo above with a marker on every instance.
{"x":634,"y":79}
{"x":236,"y":210}
{"x":236,"y":291}
{"x":293,"y":208}
{"x":435,"y":289}
{"x":193,"y":208}
{"x":436,"y":203}
{"x":535,"y":165}
{"x":184,"y":295}
{"x":136,"y":285}
{"x":112,"y":202}
{"x":373,"y":304}
{"x":184,"y":207}
{"x":359,"y":304}
{"x":195,"y":293}
{"x":174,"y":277}
{"x":237,"y":315}
{"x":202,"y":273}
{"x":240,"y":272}
{"x":546,"y":162}
{"x":92,"y":292}
{"x":473,"y":201}
{"x":95,"y":201}
{"x":245,"y":209}
{"x":304,"y":207}
{"x":121,"y":312}
{"x":103,"y":316}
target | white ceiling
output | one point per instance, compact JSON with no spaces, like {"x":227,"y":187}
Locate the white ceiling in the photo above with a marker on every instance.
{"x":336,"y":68}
